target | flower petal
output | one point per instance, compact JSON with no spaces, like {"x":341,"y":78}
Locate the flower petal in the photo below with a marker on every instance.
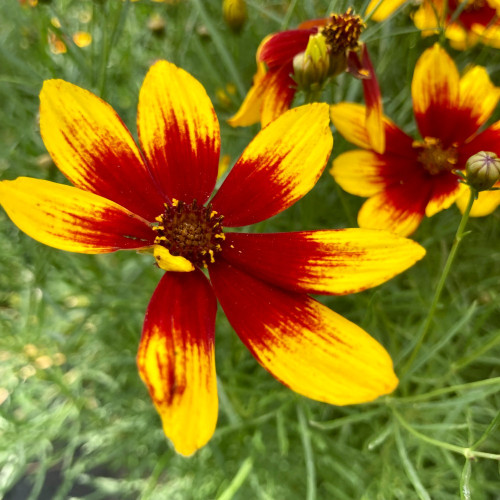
{"x":374,"y":114}
{"x":435,"y":94}
{"x":278,"y":95}
{"x":179,"y":133}
{"x":398,"y":209}
{"x":279,"y":166}
{"x":280,"y":49}
{"x":478,"y":96}
{"x":488,"y":140}
{"x":486,"y":203}
{"x":446,"y":189}
{"x":384,"y":10}
{"x":93,"y":148}
{"x":302,"y":343}
{"x":359,"y":172}
{"x":249,"y":112}
{"x":70,"y":219}
{"x":350,"y":120}
{"x":176,"y":358}
{"x":322,"y":262}
{"x":168,"y":262}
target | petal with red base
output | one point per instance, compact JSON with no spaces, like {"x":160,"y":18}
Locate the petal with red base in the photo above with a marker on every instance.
{"x":278,"y":94}
{"x":435,"y":94}
{"x":280,"y":49}
{"x":179,"y":132}
{"x":93,"y":148}
{"x":445,"y":191}
{"x":350,"y":120}
{"x":373,"y":99}
{"x":398,"y":209}
{"x":176,"y":358}
{"x":322,"y":262}
{"x":249,"y":112}
{"x":70,"y":219}
{"x":302,"y":343}
{"x":279,"y":166}
{"x":488,"y":140}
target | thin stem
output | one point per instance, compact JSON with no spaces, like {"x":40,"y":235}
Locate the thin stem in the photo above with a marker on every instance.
{"x":308,"y":454}
{"x":466,"y":452}
{"x":439,"y":289}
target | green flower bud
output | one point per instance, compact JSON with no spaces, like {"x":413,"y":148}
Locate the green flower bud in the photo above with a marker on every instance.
{"x":483,"y":170}
{"x":235,"y":14}
{"x":311,"y":68}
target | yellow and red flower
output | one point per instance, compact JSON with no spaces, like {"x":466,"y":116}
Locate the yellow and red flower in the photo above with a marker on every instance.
{"x":157,"y":200}
{"x":414,"y":178}
{"x":464,"y":25}
{"x":274,"y":86}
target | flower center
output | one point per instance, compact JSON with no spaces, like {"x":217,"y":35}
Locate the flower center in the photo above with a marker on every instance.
{"x":434,"y":157}
{"x":342,"y":31}
{"x":190,"y":231}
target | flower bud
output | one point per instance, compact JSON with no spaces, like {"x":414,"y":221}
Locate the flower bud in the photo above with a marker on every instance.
{"x":483,"y":170}
{"x":311,"y":68}
{"x":235,"y":13}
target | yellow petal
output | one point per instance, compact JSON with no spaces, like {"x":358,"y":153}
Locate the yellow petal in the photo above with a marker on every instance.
{"x":302,"y":343}
{"x":434,"y":90}
{"x":350,"y":120}
{"x":358,"y":172}
{"x":93,"y":148}
{"x":249,"y":112}
{"x":179,"y":133}
{"x":70,"y":219}
{"x":176,"y":358}
{"x":280,"y":165}
{"x":169,"y":262}
{"x":486,"y":203}
{"x":384,"y":10}
{"x":478,"y":94}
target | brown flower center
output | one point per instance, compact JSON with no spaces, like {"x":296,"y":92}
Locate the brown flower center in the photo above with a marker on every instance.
{"x":434,"y":157}
{"x":342,"y":31}
{"x":190,"y":231}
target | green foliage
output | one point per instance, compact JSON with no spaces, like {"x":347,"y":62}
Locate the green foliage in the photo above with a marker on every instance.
{"x":75,"y":419}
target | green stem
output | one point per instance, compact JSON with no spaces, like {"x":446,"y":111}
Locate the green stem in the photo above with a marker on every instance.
{"x":308,"y":454}
{"x":108,"y":40}
{"x":466,"y":452}
{"x":442,"y":280}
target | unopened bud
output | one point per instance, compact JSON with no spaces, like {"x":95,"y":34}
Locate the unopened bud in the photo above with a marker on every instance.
{"x":235,"y":13}
{"x":483,"y":170}
{"x":311,"y":68}
{"x":156,"y":24}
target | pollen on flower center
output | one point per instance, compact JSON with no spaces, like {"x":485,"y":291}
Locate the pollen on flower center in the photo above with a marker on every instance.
{"x":434,"y":157}
{"x":190,"y":231}
{"x":342,"y":31}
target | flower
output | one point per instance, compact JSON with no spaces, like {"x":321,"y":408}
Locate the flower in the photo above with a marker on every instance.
{"x":235,"y":14}
{"x":157,"y":201}
{"x":414,"y":178}
{"x":274,"y":87}
{"x":477,"y":21}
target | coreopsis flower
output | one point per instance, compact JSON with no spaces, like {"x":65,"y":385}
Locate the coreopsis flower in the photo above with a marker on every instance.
{"x":464,"y":25}
{"x":274,"y":86}
{"x":157,"y":201}
{"x":415,"y":178}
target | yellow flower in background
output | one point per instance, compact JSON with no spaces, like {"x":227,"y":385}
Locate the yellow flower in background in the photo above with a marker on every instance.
{"x":82,"y":39}
{"x":465,"y":23}
{"x":235,"y":14}
{"x":159,"y":199}
{"x":415,"y":178}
